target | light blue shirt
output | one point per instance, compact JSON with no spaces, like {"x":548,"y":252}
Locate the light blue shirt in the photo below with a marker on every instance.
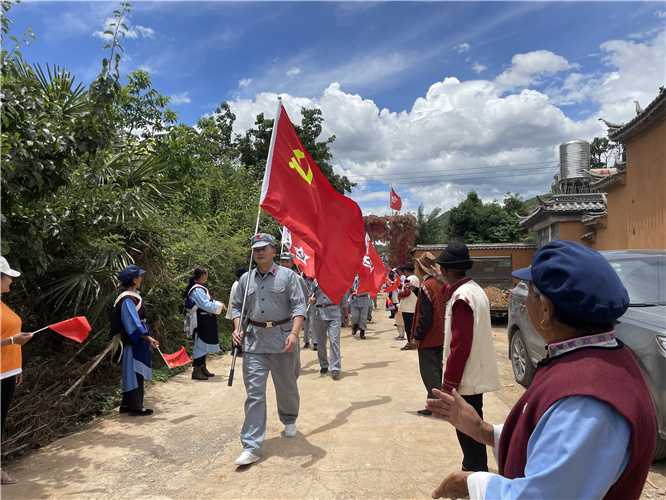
{"x":579,"y":449}
{"x":200,"y":297}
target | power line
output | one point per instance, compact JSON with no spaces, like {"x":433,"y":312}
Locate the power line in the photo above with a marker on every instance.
{"x":480,"y":169}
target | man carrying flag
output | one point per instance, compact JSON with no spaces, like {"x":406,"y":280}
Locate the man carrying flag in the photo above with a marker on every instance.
{"x":328,"y":319}
{"x":297,"y":194}
{"x":273,"y":305}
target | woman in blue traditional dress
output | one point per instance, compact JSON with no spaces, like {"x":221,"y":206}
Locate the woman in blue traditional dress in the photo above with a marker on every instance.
{"x":137,"y":342}
{"x":205,"y":334}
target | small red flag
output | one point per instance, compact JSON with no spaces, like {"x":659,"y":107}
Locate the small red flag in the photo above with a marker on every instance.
{"x":299,"y":196}
{"x":389,"y":304}
{"x":396,"y":202}
{"x":75,"y":328}
{"x":394,"y":286}
{"x":178,"y":358}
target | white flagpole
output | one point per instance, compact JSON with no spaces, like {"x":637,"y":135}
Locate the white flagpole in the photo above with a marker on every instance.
{"x":264,"y":190}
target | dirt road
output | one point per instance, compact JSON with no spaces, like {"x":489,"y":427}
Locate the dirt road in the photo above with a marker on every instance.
{"x":359,"y":436}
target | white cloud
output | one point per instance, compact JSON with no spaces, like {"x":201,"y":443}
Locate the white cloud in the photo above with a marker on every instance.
{"x":474,"y":135}
{"x":182,"y":97}
{"x":244,"y":82}
{"x":293,"y":72}
{"x":479,"y":68}
{"x":132,"y":31}
{"x":660,"y":14}
{"x":527,"y":68}
{"x":463,"y":47}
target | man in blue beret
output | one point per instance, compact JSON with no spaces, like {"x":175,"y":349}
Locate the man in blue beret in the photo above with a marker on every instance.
{"x":273,"y":315}
{"x":585,"y":428}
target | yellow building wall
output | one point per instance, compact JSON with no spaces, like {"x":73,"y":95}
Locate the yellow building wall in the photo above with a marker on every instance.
{"x":637,"y":211}
{"x":573,"y":230}
{"x":520,"y":257}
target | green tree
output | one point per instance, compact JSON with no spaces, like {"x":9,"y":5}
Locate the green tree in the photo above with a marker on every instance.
{"x":600,"y":151}
{"x":429,"y":228}
{"x":472,"y":221}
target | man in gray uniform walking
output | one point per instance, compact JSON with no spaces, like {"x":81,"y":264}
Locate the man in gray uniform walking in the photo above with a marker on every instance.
{"x":328,"y":318}
{"x":360,"y":304}
{"x":274,"y":313}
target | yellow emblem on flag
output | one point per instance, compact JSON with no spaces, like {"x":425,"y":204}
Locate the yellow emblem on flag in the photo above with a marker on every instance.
{"x":296,"y":164}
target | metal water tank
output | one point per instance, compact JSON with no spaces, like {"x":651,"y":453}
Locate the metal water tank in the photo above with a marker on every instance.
{"x":574,"y":159}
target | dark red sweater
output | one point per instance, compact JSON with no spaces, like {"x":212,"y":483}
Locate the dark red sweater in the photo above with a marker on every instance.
{"x":608,"y":374}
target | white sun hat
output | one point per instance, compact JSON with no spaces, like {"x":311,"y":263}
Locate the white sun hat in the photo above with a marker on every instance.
{"x":5,"y":269}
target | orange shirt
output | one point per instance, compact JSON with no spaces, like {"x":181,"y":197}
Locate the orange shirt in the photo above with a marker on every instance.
{"x":10,"y":359}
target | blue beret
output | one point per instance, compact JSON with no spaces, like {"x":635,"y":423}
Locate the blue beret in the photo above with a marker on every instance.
{"x":578,"y":280}
{"x":129,"y":273}
{"x":261,"y":240}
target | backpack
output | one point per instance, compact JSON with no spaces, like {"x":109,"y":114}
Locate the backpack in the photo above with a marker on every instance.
{"x":190,"y":322}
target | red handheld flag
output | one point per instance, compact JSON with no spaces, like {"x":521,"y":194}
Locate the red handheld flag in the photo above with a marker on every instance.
{"x":75,"y":328}
{"x":372,"y":273}
{"x":297,"y":194}
{"x":178,"y":358}
{"x":395,"y":201}
{"x":394,"y":286}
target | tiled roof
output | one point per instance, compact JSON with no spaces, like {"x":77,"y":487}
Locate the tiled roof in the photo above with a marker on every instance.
{"x":566,"y":204}
{"x":480,"y":246}
{"x":653,"y":113}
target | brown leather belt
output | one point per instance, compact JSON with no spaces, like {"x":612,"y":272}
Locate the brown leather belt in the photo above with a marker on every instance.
{"x":325,"y":305}
{"x":269,"y":324}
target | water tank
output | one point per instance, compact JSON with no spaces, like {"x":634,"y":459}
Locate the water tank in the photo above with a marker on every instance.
{"x":574,"y":159}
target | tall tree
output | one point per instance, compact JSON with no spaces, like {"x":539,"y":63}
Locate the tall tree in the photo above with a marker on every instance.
{"x":429,"y":228}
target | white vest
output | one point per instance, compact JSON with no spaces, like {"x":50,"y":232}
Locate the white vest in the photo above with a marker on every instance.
{"x":480,"y":374}
{"x":408,"y":304}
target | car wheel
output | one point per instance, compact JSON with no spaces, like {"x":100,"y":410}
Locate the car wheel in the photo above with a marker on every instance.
{"x":659,"y":449}
{"x":521,"y":361}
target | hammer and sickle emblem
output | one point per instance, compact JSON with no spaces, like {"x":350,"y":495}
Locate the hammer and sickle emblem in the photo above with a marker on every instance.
{"x":296,"y":163}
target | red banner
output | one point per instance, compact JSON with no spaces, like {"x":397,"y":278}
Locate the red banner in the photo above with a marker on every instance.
{"x":372,"y":273}
{"x":304,"y":256}
{"x":299,"y":196}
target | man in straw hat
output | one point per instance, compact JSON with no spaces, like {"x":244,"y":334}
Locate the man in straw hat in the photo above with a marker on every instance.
{"x":273,"y":316}
{"x":471,"y":365}
{"x":428,"y":326}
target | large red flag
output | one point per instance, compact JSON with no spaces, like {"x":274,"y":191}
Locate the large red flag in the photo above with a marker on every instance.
{"x":297,"y":194}
{"x":75,"y":328}
{"x":304,"y":256}
{"x":372,"y":273}
{"x":395,"y":201}
{"x":178,"y":358}
{"x":395,"y":285}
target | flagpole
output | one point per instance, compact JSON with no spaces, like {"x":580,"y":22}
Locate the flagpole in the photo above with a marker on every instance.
{"x":163,"y":358}
{"x":240,"y":321}
{"x":40,"y":330}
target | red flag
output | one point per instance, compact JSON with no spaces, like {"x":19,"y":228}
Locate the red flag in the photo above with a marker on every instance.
{"x":372,"y":273}
{"x":75,"y":328}
{"x":297,"y":194}
{"x":178,"y":358}
{"x":304,"y":256}
{"x":394,"y":286}
{"x":395,"y":201}
{"x":389,"y":304}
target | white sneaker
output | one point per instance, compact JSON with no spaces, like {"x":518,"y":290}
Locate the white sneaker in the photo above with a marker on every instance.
{"x":290,"y":430}
{"x":246,"y":458}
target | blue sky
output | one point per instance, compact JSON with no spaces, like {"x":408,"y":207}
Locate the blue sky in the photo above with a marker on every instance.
{"x":436,"y":98}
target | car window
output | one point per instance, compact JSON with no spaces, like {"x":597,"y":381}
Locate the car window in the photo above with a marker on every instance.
{"x":644,"y":278}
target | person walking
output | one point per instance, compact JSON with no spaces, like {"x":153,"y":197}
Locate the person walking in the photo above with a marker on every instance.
{"x":10,"y":355}
{"x":128,"y":320}
{"x":206,"y":339}
{"x":287,"y":261}
{"x":360,"y":304}
{"x":328,"y":319}
{"x":274,"y":313}
{"x":471,"y":365}
{"x":428,"y":327}
{"x":585,"y":427}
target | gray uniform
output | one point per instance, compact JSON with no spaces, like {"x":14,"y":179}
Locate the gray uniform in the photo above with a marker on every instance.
{"x":328,"y":318}
{"x":360,"y":303}
{"x":275,"y":296}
